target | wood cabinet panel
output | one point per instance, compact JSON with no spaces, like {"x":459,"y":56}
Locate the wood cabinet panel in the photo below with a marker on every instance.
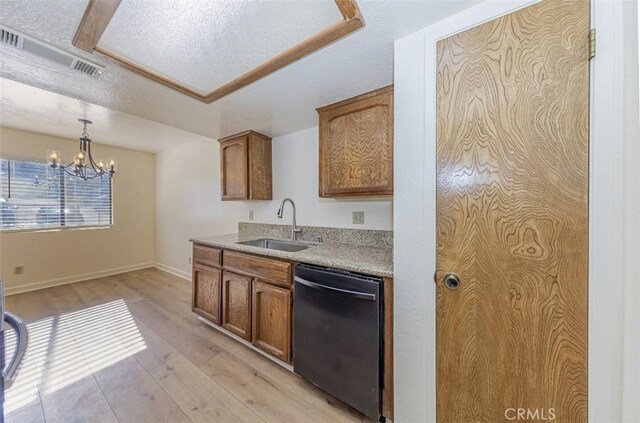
{"x":236,"y":304}
{"x":356,"y":146}
{"x":234,"y":168}
{"x":276,"y":271}
{"x":260,"y":181}
{"x":207,"y":256}
{"x":206,"y":293}
{"x":271,"y":319}
{"x":245,"y":167}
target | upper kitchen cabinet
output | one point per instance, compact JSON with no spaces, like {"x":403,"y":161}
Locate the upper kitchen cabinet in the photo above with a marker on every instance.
{"x":356,"y":146}
{"x":245,"y":167}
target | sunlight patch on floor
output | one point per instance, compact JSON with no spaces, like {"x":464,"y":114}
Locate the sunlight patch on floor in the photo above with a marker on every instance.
{"x":67,"y":348}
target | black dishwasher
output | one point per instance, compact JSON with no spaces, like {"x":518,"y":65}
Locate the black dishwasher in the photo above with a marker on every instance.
{"x":337,"y":334}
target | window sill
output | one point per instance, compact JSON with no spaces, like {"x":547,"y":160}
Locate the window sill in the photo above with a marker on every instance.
{"x":60,"y":229}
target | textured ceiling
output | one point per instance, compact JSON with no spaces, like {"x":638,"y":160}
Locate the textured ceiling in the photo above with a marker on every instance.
{"x":211,"y":43}
{"x":282,"y":102}
{"x":36,"y":110}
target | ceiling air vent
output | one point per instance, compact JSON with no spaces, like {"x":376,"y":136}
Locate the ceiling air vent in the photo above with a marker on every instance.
{"x":86,"y":67}
{"x":33,"y":46}
{"x":10,"y":38}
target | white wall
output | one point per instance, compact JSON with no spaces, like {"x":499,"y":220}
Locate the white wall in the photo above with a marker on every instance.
{"x":414,"y":330}
{"x":631,"y":368}
{"x":188,"y":196}
{"x":61,"y":256}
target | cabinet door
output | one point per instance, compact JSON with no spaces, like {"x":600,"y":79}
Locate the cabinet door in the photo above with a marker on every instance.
{"x":260,"y":180}
{"x":356,"y":146}
{"x":236,"y":304}
{"x":234,"y":175}
{"x":271,"y":319}
{"x":206,"y":293}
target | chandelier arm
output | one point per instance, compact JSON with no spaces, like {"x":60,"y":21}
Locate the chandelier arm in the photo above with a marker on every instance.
{"x":78,"y":173}
{"x":68,"y":172}
{"x":93,"y":164}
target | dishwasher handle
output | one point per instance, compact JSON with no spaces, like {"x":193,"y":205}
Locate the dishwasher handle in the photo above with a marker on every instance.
{"x":343,"y":292}
{"x":10,"y":372}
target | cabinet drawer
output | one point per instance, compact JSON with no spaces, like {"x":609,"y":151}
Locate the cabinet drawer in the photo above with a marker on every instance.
{"x":276,"y":271}
{"x":206,"y":255}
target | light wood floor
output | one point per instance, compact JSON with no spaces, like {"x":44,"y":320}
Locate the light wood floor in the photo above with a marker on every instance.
{"x":128,"y":348}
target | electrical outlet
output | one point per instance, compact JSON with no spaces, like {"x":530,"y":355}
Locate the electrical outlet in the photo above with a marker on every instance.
{"x":18,"y":270}
{"x":250,"y":214}
{"x":358,"y":218}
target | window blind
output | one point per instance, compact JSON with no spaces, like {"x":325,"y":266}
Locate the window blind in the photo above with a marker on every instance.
{"x":35,"y":196}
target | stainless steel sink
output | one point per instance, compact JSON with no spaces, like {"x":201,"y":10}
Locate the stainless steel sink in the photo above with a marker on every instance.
{"x":274,"y":244}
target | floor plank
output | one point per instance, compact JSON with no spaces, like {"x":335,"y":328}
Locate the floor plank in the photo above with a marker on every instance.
{"x":259,"y":393}
{"x":135,"y":396}
{"x":79,"y":402}
{"x":29,"y":413}
{"x":202,"y":399}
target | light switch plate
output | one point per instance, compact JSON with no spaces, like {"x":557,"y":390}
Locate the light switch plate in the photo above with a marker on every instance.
{"x":358,"y":218}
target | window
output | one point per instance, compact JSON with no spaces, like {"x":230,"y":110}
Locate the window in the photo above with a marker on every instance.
{"x":35,"y":196}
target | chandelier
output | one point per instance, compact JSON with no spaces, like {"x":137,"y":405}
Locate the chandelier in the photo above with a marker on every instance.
{"x":83,"y":166}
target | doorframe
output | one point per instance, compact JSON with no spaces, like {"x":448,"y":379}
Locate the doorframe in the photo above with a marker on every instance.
{"x":414,"y":211}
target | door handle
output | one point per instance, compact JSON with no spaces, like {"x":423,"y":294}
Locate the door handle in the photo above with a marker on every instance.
{"x":452,"y":281}
{"x":338,"y":291}
{"x":10,"y":372}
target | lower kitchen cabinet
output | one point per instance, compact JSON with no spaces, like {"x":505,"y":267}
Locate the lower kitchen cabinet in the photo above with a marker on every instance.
{"x":236,"y":304}
{"x":271,"y":319}
{"x":206,"y":292}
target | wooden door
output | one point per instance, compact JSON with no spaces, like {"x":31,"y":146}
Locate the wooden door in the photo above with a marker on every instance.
{"x":356,"y":146}
{"x":236,"y":304}
{"x":234,"y":168}
{"x":206,"y":292}
{"x":271,"y":319}
{"x":512,"y":217}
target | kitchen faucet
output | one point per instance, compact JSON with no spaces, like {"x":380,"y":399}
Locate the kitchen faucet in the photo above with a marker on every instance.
{"x":294,"y":229}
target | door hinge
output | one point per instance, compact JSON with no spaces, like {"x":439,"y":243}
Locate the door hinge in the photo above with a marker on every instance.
{"x":592,"y":43}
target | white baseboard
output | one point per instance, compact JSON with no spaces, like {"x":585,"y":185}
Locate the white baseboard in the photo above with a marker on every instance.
{"x":11,"y":290}
{"x":176,"y":272}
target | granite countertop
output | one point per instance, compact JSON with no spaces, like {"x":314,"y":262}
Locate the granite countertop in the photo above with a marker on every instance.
{"x":368,"y":260}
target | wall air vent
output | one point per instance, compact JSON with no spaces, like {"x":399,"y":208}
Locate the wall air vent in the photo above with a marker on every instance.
{"x":20,"y":41}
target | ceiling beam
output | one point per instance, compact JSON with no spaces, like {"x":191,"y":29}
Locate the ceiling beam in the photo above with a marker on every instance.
{"x":348,"y":8}
{"x":295,"y":53}
{"x":96,"y":17}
